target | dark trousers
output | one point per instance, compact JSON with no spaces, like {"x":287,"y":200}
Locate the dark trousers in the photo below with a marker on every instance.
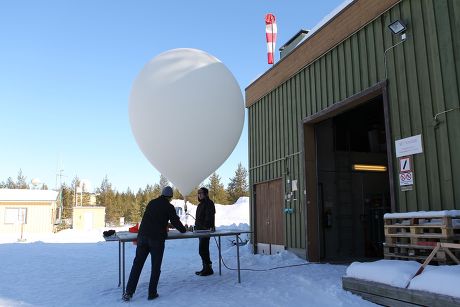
{"x":204,"y":250}
{"x":144,"y":247}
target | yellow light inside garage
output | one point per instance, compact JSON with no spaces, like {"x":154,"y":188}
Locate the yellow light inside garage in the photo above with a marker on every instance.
{"x":369,"y":168}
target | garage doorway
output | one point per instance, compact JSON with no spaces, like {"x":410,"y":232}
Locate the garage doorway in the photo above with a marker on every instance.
{"x":348,"y":174}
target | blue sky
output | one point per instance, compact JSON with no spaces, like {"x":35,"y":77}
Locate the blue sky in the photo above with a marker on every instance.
{"x":67,"y":67}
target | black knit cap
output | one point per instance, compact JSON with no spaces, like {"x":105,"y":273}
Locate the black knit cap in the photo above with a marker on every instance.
{"x":167,"y":191}
{"x":204,"y":190}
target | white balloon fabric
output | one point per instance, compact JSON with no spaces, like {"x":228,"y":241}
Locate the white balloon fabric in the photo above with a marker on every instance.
{"x":186,"y":112}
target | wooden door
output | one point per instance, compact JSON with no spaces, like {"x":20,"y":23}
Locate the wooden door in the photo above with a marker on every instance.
{"x":269,"y":212}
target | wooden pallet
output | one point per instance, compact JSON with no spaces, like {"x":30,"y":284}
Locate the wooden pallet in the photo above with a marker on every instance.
{"x":420,"y":239}
{"x":414,"y":238}
{"x":441,"y":230}
{"x":440,"y":258}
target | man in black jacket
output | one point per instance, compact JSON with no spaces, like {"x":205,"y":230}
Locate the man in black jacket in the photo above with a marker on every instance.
{"x":205,"y":219}
{"x":151,"y":239}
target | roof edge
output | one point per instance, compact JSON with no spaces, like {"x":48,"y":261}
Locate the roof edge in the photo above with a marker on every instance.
{"x":318,"y":44}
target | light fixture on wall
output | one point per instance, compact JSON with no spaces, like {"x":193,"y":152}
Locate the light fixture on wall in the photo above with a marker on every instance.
{"x":369,"y":168}
{"x":396,"y":27}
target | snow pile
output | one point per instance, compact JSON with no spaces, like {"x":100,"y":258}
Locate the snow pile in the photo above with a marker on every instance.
{"x":443,"y":279}
{"x":225,"y":214}
{"x":422,"y":214}
{"x":396,"y":273}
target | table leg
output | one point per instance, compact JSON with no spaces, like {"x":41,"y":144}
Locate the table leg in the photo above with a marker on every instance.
{"x":220,"y":258}
{"x":119,"y":263}
{"x":238,"y":257}
{"x":123,"y":267}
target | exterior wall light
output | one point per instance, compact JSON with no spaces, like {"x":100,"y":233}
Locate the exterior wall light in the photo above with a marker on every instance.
{"x":397,"y":27}
{"x":369,"y":168}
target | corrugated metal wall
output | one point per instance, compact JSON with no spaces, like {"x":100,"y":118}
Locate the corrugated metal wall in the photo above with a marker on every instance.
{"x":423,"y":80}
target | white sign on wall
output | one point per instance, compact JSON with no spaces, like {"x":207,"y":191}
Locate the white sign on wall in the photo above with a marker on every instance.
{"x":294,"y":185}
{"x":409,"y":146}
{"x":406,"y":179}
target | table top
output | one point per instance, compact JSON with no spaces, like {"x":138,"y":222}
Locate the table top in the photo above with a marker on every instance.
{"x":126,"y":236}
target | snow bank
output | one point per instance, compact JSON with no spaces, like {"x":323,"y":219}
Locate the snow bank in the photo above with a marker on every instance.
{"x":225,"y":214}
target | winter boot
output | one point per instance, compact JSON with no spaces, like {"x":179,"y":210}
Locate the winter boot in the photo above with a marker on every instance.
{"x":199,"y":272}
{"x":207,"y":270}
{"x":152,"y":296}
{"x":127,"y":297}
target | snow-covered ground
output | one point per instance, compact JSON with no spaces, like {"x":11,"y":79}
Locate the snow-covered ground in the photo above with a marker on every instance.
{"x":74,"y":268}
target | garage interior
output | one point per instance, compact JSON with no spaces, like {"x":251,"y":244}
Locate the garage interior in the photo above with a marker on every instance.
{"x":353,"y":184}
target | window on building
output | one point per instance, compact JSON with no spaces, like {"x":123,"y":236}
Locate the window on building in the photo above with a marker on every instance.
{"x":16,"y":216}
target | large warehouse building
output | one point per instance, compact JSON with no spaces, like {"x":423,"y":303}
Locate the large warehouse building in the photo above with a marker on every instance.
{"x":361,"y":118}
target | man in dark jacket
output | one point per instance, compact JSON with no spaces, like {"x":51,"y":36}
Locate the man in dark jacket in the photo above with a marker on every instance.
{"x":151,"y":239}
{"x":205,"y":220}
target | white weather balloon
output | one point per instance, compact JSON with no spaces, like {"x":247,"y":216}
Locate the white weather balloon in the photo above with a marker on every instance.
{"x":186,"y":112}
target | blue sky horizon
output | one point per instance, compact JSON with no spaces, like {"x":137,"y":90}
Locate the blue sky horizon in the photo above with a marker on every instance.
{"x":66,"y":71}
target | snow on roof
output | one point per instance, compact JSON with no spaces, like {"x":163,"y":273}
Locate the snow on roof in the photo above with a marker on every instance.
{"x":326,"y":19}
{"x":27,"y":195}
{"x":422,"y":214}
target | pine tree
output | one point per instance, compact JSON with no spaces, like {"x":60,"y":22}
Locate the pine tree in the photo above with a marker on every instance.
{"x":10,"y":184}
{"x":163,"y":182}
{"x":193,"y":196}
{"x":238,"y":185}
{"x":133,"y":215}
{"x":67,"y":201}
{"x":177,"y":194}
{"x":142,"y":200}
{"x":131,"y":208}
{"x":216,"y":190}
{"x":74,"y":185}
{"x":156,"y":192}
{"x":106,"y":197}
{"x":21,"y":181}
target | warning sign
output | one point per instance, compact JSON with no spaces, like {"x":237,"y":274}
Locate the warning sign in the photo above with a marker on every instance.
{"x":405,"y":164}
{"x":406,"y":178}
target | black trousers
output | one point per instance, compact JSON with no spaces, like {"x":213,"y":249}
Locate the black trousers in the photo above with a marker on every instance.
{"x":146,"y":246}
{"x":204,"y":250}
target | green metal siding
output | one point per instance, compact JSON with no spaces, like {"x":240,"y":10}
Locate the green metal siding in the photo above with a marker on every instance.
{"x":423,"y":80}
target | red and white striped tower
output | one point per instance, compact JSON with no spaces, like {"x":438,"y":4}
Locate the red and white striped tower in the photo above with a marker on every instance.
{"x":270,"y":33}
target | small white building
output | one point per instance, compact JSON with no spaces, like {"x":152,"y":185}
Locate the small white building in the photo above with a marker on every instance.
{"x":28,"y":211}
{"x":88,"y":217}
